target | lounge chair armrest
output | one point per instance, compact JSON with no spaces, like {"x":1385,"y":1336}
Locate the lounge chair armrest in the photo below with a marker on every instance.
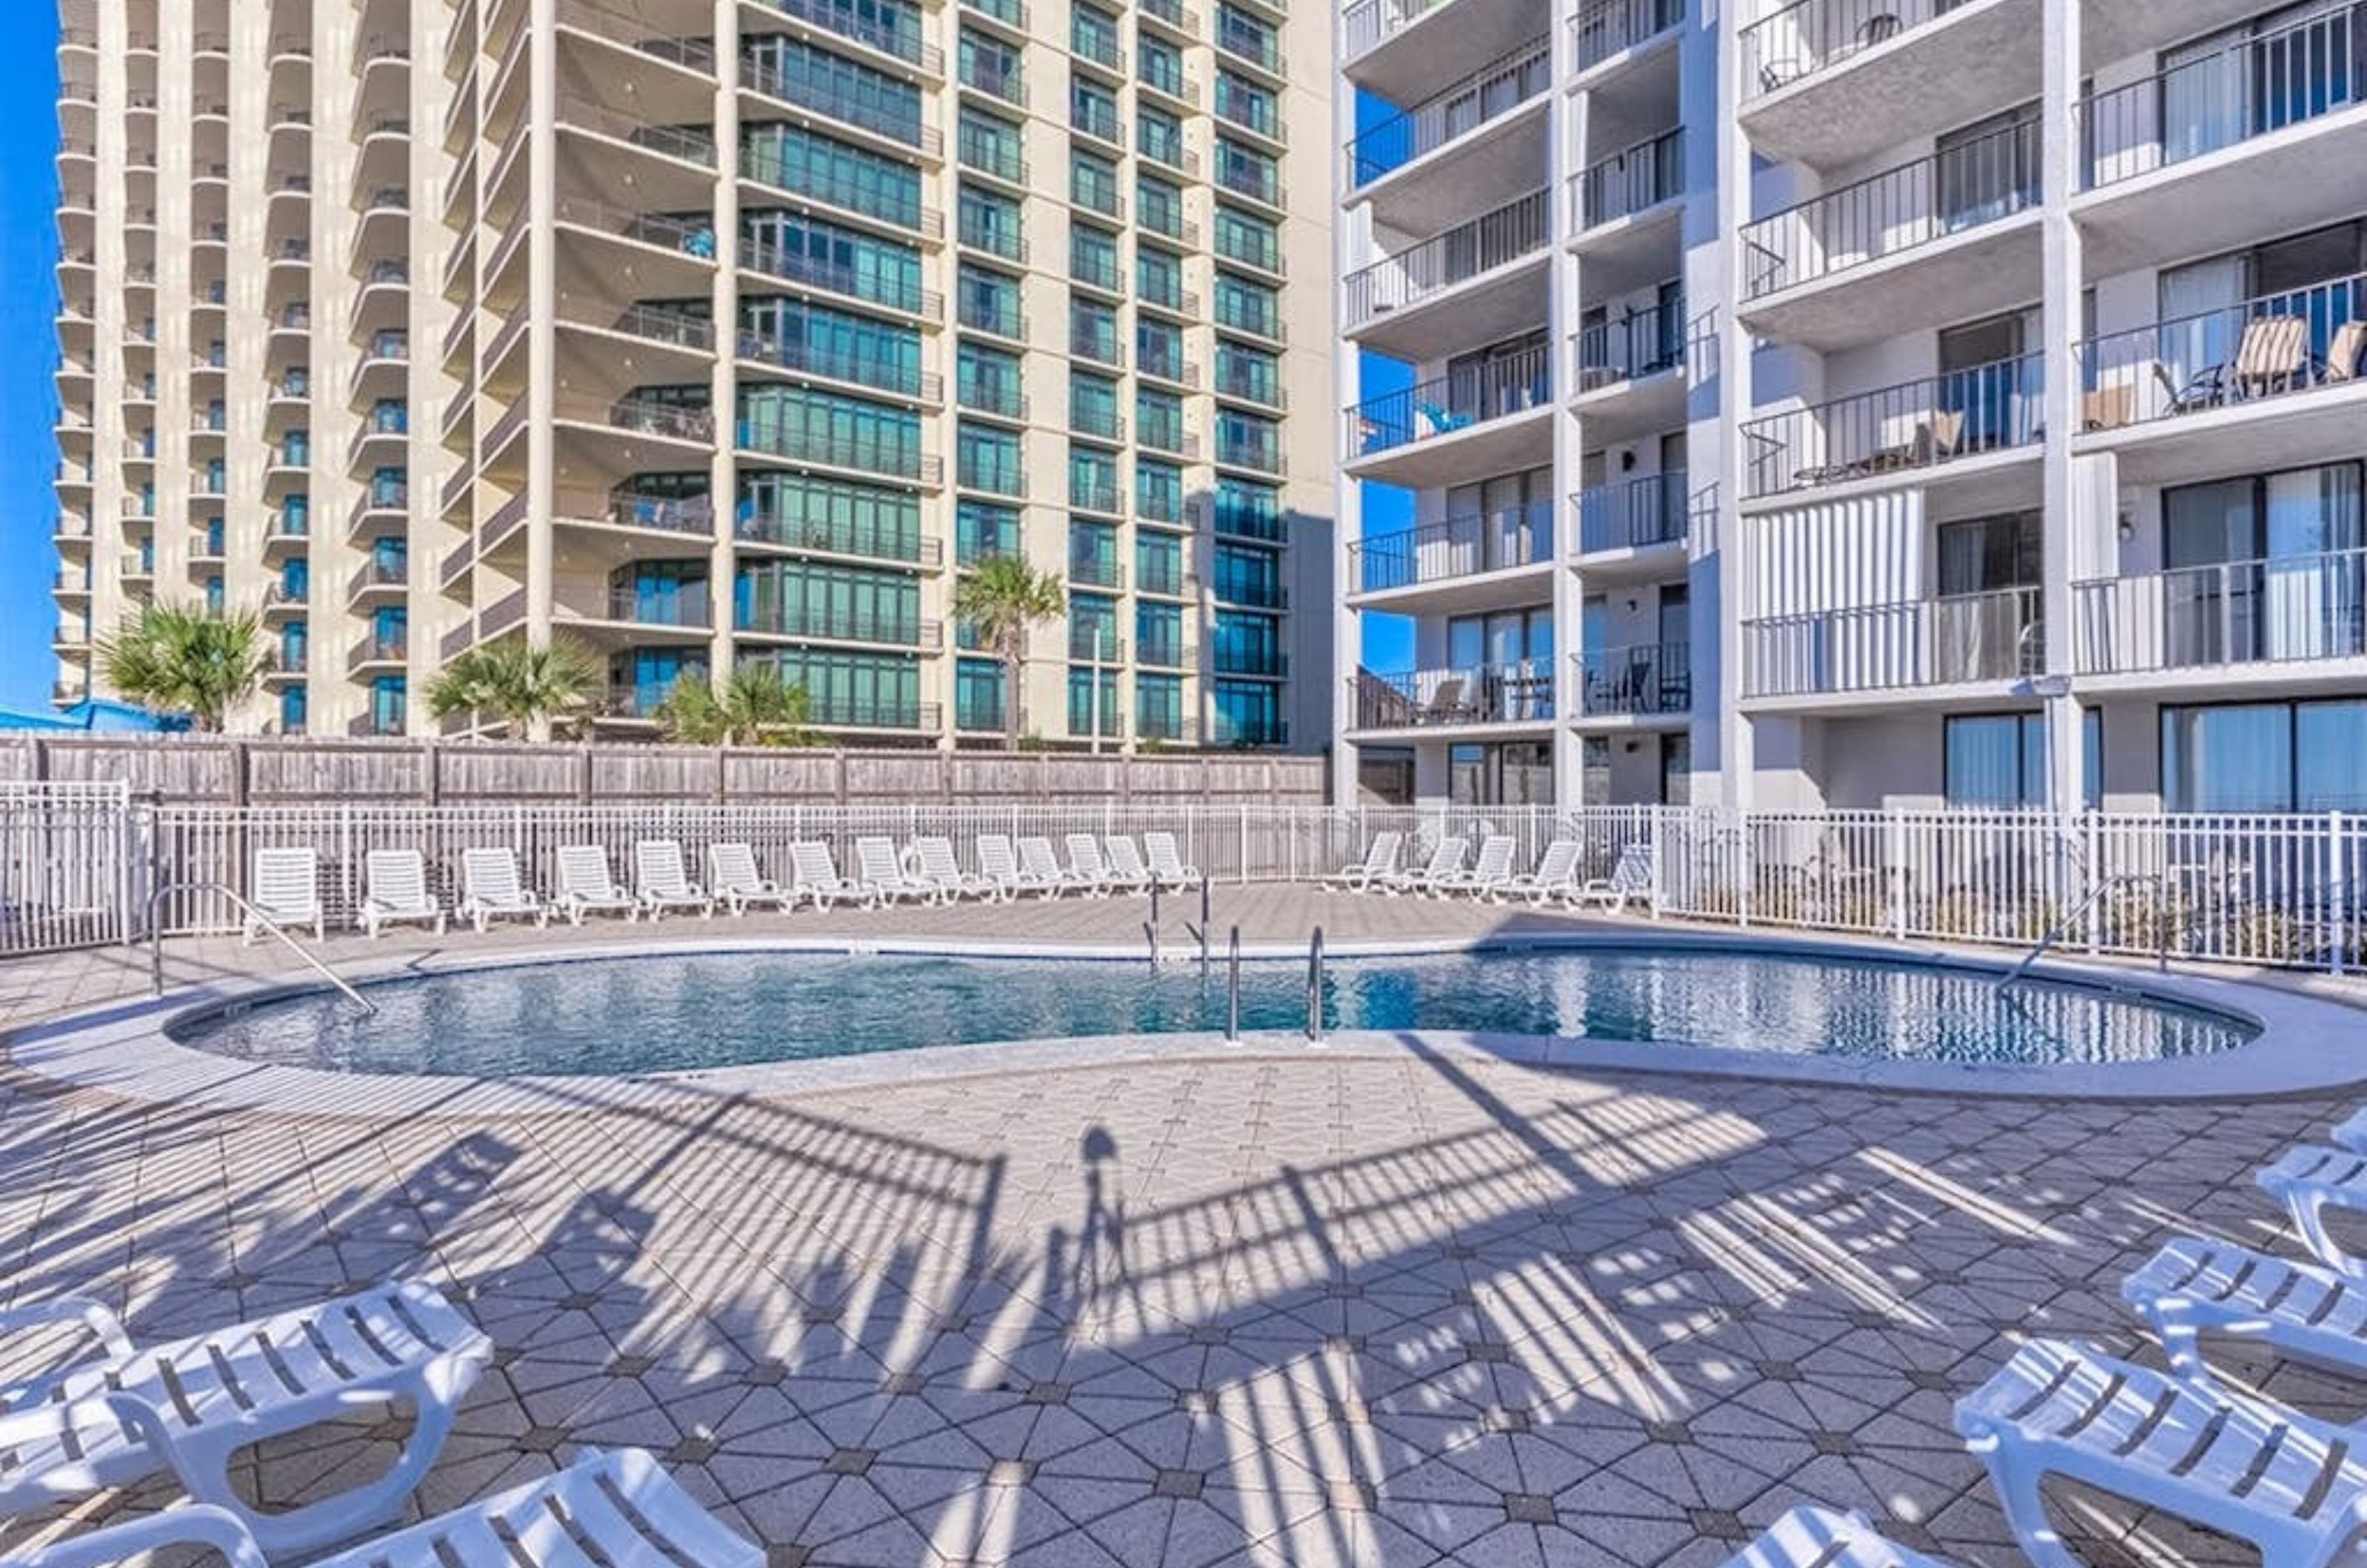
{"x":196,"y":1524}
{"x":94,"y":1315}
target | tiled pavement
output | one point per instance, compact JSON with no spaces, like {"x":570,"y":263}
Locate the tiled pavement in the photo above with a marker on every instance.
{"x":1271,"y":1308}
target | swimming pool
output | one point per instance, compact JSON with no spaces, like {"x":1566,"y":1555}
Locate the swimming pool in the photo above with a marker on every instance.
{"x":693,"y":1010}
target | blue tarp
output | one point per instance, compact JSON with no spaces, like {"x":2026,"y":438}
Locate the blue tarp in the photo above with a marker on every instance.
{"x":95,"y":714}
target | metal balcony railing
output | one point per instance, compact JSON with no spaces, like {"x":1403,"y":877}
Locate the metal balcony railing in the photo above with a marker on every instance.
{"x":1647,"y":343}
{"x":1916,"y":424}
{"x":2264,"y":347}
{"x":1459,"y":547}
{"x":1614,"y":27}
{"x":1903,"y":209}
{"x":1454,"y":112}
{"x":687,"y":606}
{"x":818,"y":356}
{"x":892,"y":456}
{"x":892,"y":29}
{"x":2281,"y":77}
{"x":824,"y":93}
{"x":842,"y":623}
{"x":1097,"y":571}
{"x":1632,"y":180}
{"x":1517,"y":229}
{"x":1095,"y":644}
{"x":1638,"y":680}
{"x":1967,"y":637}
{"x":648,"y":417}
{"x":378,"y":651}
{"x":1449,"y":403}
{"x":1799,"y":40}
{"x":1486,"y":694}
{"x":2282,"y":609}
{"x":1634,"y":514}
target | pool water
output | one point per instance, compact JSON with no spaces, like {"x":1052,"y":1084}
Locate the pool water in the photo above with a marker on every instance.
{"x":677,"y":1012}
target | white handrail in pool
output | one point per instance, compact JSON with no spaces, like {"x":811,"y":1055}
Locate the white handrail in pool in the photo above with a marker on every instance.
{"x":156,"y":940}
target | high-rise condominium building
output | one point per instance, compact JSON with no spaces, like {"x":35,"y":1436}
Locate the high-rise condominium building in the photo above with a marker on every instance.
{"x":1857,"y":402}
{"x":708,"y":331}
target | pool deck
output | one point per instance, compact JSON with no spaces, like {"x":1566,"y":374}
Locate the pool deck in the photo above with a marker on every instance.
{"x":1279,"y":1306}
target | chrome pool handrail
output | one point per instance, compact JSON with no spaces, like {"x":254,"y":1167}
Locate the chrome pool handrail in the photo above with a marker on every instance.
{"x":2063,"y":927}
{"x":156,"y":940}
{"x":1233,"y":988}
{"x":1315,"y":988}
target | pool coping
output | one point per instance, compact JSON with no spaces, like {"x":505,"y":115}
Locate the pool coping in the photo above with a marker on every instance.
{"x":122,"y":1049}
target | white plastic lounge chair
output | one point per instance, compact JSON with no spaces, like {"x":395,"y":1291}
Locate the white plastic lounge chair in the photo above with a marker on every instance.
{"x":813,"y":874}
{"x":1488,"y":875}
{"x":1042,"y":868}
{"x":396,"y":881}
{"x":880,"y":875}
{"x":620,"y":1502}
{"x":1126,"y":872}
{"x":1000,"y":878}
{"x":1167,"y":862}
{"x":942,"y":871}
{"x":1818,"y":1538}
{"x":586,"y":886}
{"x":732,"y":872}
{"x":2193,"y":1287}
{"x":285,"y":892}
{"x":1554,"y":877}
{"x":1086,"y":872}
{"x":661,"y":884}
{"x":2309,"y":1179}
{"x":2352,"y":1133}
{"x":193,"y":1403}
{"x":1380,"y":859}
{"x":1445,"y":863}
{"x":2285,"y":1482}
{"x":489,"y":890}
{"x":1631,"y":877}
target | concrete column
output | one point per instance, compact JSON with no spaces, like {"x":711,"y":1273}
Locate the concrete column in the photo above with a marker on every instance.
{"x":723,"y":478}
{"x":1347,"y":626}
{"x":2058,"y":155}
{"x":1721,"y":556}
{"x":1566,"y":155}
{"x":542,"y":308}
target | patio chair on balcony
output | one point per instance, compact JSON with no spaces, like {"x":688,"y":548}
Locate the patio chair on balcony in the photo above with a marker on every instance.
{"x":1448,"y":705}
{"x":2273,"y":357}
{"x":1441,"y":421}
{"x":618,"y":1507}
{"x":1936,"y":438}
{"x":1875,"y":30}
{"x":2342,"y":355}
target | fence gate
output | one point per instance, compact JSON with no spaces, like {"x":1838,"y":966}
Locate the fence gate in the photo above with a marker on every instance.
{"x":65,"y":865}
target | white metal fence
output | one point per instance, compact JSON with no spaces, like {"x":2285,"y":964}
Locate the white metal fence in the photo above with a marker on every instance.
{"x":79,"y":864}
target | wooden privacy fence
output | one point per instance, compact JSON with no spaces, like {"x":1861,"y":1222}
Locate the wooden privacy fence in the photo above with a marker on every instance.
{"x":303,"y":770}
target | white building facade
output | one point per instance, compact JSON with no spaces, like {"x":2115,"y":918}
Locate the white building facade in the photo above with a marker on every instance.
{"x":1924,"y":404}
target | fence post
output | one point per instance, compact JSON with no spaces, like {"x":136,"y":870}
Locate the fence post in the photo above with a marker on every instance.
{"x":1893,"y":851}
{"x":1743,"y":860}
{"x":1654,"y":815}
{"x":1242,"y":865}
{"x":346,"y":850}
{"x":2338,"y":890}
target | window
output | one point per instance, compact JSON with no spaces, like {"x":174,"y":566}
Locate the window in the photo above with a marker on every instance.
{"x":1093,"y":407}
{"x":1249,"y":510}
{"x":1159,"y":277}
{"x":1248,"y":172}
{"x":1159,"y":707}
{"x":1988,"y":169}
{"x":1158,"y":349}
{"x":791,"y":69}
{"x":1248,"y":713}
{"x":990,"y":221}
{"x":1093,"y":258}
{"x":2264,"y":566}
{"x":988,"y":302}
{"x":2265,"y":756}
{"x":982,"y":531}
{"x":1517,"y":773}
{"x":1252,"y":241}
{"x":1093,"y":33}
{"x":826,"y":427}
{"x":1160,"y":65}
{"x":1159,"y":206}
{"x":791,"y":330}
{"x":827,"y":600}
{"x":1998,"y":762}
{"x":988,"y":379}
{"x":829,"y":515}
{"x":1158,"y":491}
{"x":1248,"y":372}
{"x":1158,"y":566}
{"x":792,"y":158}
{"x":1250,"y":105}
{"x":1158,"y":420}
{"x":978,"y":695}
{"x":1093,"y":702}
{"x":1092,"y":111}
{"x":1092,"y":332}
{"x":1092,"y":480}
{"x":990,"y":67}
{"x":1159,"y":135}
{"x":1092,"y":184}
{"x":814,"y":250}
{"x":988,"y":461}
{"x":1093,"y":637}
{"x":990,"y":145}
{"x":876,"y":691}
{"x":1246,"y":306}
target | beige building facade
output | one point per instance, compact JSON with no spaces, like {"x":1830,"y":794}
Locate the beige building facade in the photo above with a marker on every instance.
{"x":708,"y":331}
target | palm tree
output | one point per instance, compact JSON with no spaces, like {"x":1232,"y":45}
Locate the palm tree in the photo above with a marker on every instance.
{"x":1004,"y":599}
{"x":184,"y":659}
{"x":755,"y":708}
{"x":530,"y":687}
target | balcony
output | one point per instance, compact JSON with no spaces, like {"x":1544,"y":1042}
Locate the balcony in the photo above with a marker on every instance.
{"x":378,"y":575}
{"x":685,"y":608}
{"x":824,"y":94}
{"x":381,"y":725}
{"x":1454,"y":116}
{"x":845,"y":189}
{"x":1833,"y":83}
{"x":377,"y":654}
{"x":1634,"y":516}
{"x":1609,"y":29}
{"x":2284,"y":610}
{"x":1968,"y":639}
{"x":1258,"y":452}
{"x":842,"y":623}
{"x":1959,"y":226}
{"x":2273,"y":383}
{"x":1402,"y":50}
{"x":1491,"y":415}
{"x":1453,"y":551}
{"x":1095,"y":644}
{"x":1641,"y":680}
{"x":2175,"y":164}
{"x":894,"y":32}
{"x":1505,"y":247}
{"x":1987,"y":412}
{"x":858,"y":713}
{"x":888,"y":374}
{"x":1479,"y":697}
{"x":864,"y":538}
{"x":1631,"y":182}
{"x":861,"y":452}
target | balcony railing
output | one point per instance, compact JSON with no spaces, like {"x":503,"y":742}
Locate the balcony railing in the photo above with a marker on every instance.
{"x":2261,"y":348}
{"x":840,"y":187}
{"x":378,"y":651}
{"x":1904,"y":208}
{"x":692,"y":144}
{"x":1162,"y":575}
{"x":1448,"y":403}
{"x":1646,"y":343}
{"x":1614,"y":27}
{"x":379,"y":572}
{"x":1638,"y":680}
{"x":1237,"y":450}
{"x":1632,"y":180}
{"x":842,"y":278}
{"x":691,"y":239}
{"x":1457,"y":546}
{"x":856,"y":713}
{"x":895,"y":457}
{"x":1488,"y":94}
{"x":2283,"y":609}
{"x":1095,"y":644}
{"x":894,"y":30}
{"x":819,"y":357}
{"x":822,"y":92}
{"x":661,"y":325}
{"x":1969,"y":638}
{"x":1367,"y":24}
{"x":842,"y":623}
{"x":2254,"y":87}
{"x":1916,"y":424}
{"x":1422,"y":699}
{"x":1634,"y":514}
{"x":1802,"y":39}
{"x":686,"y":607}
{"x":843,"y":537}
{"x":648,"y":417}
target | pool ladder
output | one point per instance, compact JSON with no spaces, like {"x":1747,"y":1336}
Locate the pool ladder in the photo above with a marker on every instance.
{"x":156,"y":940}
{"x":1314,"y":988}
{"x":2062,"y":927}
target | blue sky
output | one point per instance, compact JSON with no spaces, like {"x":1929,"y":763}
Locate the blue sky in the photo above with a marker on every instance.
{"x":29,"y":137}
{"x":28,"y":455}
